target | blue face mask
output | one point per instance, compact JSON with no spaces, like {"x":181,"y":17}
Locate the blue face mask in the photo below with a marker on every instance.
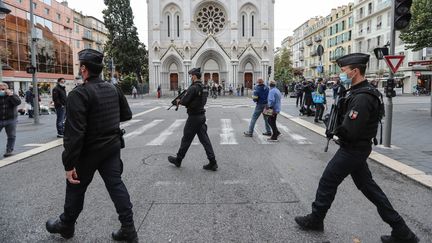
{"x":2,"y":93}
{"x":344,"y":78}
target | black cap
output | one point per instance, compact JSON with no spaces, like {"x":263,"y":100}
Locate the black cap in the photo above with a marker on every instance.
{"x":353,"y":58}
{"x":195,"y":71}
{"x":91,"y":56}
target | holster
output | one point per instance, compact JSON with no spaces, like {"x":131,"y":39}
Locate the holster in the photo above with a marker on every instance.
{"x":122,"y":141}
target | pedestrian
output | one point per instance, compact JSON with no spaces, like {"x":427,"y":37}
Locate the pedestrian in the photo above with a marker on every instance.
{"x":286,"y":90}
{"x":29,"y":99}
{"x":274,"y":103}
{"x":59,"y":99}
{"x":299,"y":93}
{"x":92,"y":142}
{"x":242,"y":90}
{"x":361,"y":111}
{"x":308,"y":88}
{"x":321,"y":101}
{"x":195,"y":100}
{"x":335,"y":88}
{"x":259,"y":96}
{"x":238,"y":90}
{"x":134,"y":92}
{"x":159,"y":91}
{"x":8,"y":116}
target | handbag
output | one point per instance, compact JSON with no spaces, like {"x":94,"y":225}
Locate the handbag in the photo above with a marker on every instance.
{"x":317,"y":97}
{"x":268,"y":112}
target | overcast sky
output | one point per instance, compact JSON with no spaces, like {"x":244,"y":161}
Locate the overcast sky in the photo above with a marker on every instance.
{"x":287,"y":17}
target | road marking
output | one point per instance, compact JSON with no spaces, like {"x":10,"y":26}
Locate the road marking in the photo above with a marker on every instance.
{"x":144,"y":112}
{"x":235,"y":182}
{"x":298,"y":138}
{"x":165,"y":134}
{"x":227,"y":136}
{"x":412,"y":173}
{"x":34,"y":145}
{"x":29,"y":153}
{"x":142,"y":129}
{"x":129,"y":123}
{"x":262,"y":138}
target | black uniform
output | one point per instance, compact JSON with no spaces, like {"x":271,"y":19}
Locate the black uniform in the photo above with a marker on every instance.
{"x":92,"y":143}
{"x":195,"y":100}
{"x":359,"y":127}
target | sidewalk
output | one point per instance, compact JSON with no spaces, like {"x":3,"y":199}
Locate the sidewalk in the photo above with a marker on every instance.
{"x":411,"y":130}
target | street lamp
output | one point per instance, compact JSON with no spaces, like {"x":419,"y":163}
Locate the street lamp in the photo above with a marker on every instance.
{"x":3,"y":10}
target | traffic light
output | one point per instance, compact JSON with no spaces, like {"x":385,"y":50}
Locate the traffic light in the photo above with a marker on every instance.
{"x":402,"y":15}
{"x":389,"y":88}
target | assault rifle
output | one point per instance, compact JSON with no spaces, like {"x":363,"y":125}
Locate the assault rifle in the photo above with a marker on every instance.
{"x":332,"y":120}
{"x":174,"y":101}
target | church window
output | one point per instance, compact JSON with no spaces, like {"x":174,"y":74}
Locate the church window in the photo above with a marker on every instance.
{"x":253,"y":25}
{"x":178,"y":26}
{"x":243,"y":25}
{"x":168,"y":25}
{"x":210,"y":18}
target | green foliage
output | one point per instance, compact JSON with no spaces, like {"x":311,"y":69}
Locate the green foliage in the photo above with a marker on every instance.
{"x":130,"y":55}
{"x":283,"y":66}
{"x":419,"y":33}
{"x":128,"y":82}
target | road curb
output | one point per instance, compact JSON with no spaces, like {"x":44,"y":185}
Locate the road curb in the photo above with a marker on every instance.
{"x":406,"y":170}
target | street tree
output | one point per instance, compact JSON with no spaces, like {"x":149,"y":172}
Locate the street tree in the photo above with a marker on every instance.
{"x":283,"y":66}
{"x":123,"y":45}
{"x":419,"y":33}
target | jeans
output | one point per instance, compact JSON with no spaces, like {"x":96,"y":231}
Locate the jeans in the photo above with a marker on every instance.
{"x":10,"y":127}
{"x":257,"y":112}
{"x":272,"y":122}
{"x":60,"y":111}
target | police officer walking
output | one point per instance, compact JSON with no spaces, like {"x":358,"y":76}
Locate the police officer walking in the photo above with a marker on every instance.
{"x":92,"y":142}
{"x":195,"y":100}
{"x":361,"y":112}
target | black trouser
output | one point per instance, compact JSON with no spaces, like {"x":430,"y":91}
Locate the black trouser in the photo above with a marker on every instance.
{"x":353,"y":162}
{"x":195,"y":125}
{"x":272,"y":123}
{"x":110,"y":168}
{"x":319,"y":111}
{"x":299,"y":98}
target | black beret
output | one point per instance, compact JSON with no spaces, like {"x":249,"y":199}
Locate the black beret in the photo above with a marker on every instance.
{"x":195,"y":71}
{"x":91,"y":56}
{"x":353,"y":58}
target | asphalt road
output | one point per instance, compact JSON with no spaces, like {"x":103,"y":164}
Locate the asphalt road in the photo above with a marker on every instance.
{"x":254,"y":196}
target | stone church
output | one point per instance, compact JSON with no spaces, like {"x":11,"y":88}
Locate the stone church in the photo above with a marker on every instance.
{"x":231,"y":40}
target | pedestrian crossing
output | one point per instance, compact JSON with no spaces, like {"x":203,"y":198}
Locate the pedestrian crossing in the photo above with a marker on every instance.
{"x":159,"y":131}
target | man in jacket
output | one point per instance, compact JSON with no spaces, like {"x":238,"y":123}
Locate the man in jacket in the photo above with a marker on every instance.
{"x":259,"y":96}
{"x":274,"y":103}
{"x":361,"y":112}
{"x":8,"y":116}
{"x":195,"y":100}
{"x":92,"y":142}
{"x":59,"y":99}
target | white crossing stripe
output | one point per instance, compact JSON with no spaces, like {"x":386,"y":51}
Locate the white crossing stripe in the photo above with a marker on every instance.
{"x":142,"y":129}
{"x":165,"y":134}
{"x":227,"y":136}
{"x":131,"y":122}
{"x":262,"y":138}
{"x":298,"y":138}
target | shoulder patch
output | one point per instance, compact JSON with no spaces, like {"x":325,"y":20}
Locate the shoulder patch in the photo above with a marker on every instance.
{"x":353,"y":114}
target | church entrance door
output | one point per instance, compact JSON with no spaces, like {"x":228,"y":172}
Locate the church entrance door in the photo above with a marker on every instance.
{"x":173,"y":81}
{"x":248,"y":80}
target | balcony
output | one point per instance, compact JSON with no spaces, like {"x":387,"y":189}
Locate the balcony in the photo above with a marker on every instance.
{"x":301,"y":58}
{"x":308,"y":42}
{"x":314,"y":53}
{"x":318,"y":38}
{"x":88,"y":37}
{"x":314,"y":65}
{"x":301,"y":48}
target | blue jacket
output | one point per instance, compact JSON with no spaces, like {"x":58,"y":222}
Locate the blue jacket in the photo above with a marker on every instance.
{"x":274,"y":99}
{"x":260,"y":94}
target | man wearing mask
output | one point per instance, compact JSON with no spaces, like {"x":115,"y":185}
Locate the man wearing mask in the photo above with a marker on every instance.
{"x":361,"y":113}
{"x":195,"y":100}
{"x":92,"y":142}
{"x":259,"y":96}
{"x":59,"y":99}
{"x":8,"y":116}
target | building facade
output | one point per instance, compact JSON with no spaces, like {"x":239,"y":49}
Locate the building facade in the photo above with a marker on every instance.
{"x":231,"y":40}
{"x":298,"y":46}
{"x":314,"y":36}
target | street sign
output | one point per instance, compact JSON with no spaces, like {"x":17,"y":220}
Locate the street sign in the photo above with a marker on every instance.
{"x":394,"y":62}
{"x":422,"y":63}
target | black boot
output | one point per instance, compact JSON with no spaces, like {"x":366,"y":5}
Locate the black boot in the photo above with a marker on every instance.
{"x":310,"y":222}
{"x":126,"y":233}
{"x":407,"y":236}
{"x":212,"y":165}
{"x":175,"y":161}
{"x":57,"y":226}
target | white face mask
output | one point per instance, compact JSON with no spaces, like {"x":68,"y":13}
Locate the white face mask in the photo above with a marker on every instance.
{"x":62,"y":84}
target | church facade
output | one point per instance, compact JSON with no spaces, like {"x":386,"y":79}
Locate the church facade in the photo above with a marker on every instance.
{"x":231,"y":40}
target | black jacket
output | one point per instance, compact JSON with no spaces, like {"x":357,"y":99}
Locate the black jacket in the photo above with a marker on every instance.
{"x":8,"y":107}
{"x":361,"y":117}
{"x":195,"y":98}
{"x":59,"y":96}
{"x":94,"y":112}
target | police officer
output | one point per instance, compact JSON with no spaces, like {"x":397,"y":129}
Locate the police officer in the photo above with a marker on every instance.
{"x":361,"y":113}
{"x":194,"y":100}
{"x":92,"y":142}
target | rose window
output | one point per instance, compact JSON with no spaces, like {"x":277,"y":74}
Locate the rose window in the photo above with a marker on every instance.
{"x":210,"y":19}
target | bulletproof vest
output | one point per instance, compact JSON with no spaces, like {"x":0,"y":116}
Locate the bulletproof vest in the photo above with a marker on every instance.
{"x":103,"y":117}
{"x":199,"y":101}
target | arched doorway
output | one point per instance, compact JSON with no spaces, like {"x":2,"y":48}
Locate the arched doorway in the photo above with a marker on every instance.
{"x":211,"y":72}
{"x":248,"y":76}
{"x":173,"y":70}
